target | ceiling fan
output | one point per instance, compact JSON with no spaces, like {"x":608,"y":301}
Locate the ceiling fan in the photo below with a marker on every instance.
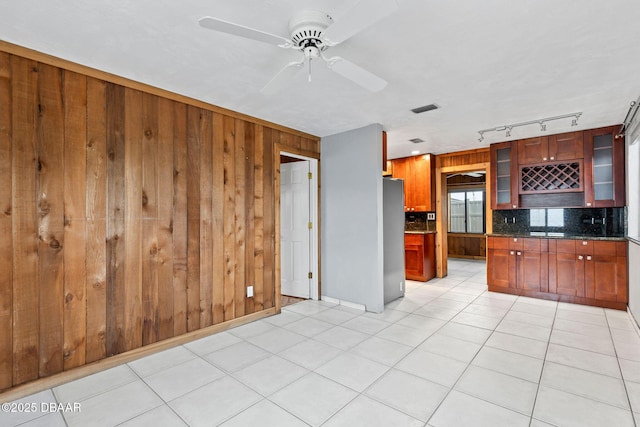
{"x":313,"y":33}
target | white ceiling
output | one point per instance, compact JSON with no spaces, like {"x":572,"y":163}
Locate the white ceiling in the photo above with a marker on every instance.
{"x":485,"y":63}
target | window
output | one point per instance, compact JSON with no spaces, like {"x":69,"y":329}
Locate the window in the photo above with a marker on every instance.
{"x":466,"y":211}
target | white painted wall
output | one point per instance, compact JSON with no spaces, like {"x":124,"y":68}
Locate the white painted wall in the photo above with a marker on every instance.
{"x":633,"y":188}
{"x":351,"y":215}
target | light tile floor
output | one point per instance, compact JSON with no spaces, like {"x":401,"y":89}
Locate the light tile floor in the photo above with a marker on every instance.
{"x":447,"y":354}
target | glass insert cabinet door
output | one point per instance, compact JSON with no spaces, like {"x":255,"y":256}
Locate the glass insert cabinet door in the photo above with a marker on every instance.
{"x":604,"y":162}
{"x":504,"y":192}
{"x":603,"y":167}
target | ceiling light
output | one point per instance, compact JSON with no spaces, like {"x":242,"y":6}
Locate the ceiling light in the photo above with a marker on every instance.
{"x":541,"y":122}
{"x":416,"y":140}
{"x":425,"y":108}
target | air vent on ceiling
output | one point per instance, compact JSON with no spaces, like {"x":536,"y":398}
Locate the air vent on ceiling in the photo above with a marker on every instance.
{"x":416,"y":140}
{"x":425,"y":108}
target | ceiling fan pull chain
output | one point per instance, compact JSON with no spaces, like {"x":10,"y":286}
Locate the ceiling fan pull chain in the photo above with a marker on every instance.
{"x":309,"y":70}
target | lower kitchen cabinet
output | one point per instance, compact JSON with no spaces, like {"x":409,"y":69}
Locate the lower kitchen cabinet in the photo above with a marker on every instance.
{"x":420,"y":256}
{"x":592,"y":272}
{"x":518,"y":263}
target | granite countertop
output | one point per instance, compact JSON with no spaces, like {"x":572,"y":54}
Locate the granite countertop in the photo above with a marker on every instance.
{"x":549,"y":235}
{"x":419,"y":232}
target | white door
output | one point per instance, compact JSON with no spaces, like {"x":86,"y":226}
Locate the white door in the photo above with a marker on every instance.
{"x":294,"y":229}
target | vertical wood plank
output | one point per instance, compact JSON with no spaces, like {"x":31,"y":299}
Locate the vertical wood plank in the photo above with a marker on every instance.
{"x":193,"y":218}
{"x":115,"y":255}
{"x":218,"y":185}
{"x":258,"y":292}
{"x":26,"y":295}
{"x":75,"y":181}
{"x":270,"y":137}
{"x":6,"y":256}
{"x":249,"y":212}
{"x":133,"y":219}
{"x":240,"y":219}
{"x":50,"y":199}
{"x":165,"y":218}
{"x":180,"y":233}
{"x":229,"y":124}
{"x":206,"y":219}
{"x":149,"y":218}
{"x":96,"y":188}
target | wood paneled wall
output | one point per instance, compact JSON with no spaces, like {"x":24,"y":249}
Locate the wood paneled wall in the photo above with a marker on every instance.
{"x":127,"y":217}
{"x":463,"y":158}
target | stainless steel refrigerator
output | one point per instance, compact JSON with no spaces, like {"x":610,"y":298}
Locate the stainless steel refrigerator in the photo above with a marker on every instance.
{"x":393,"y":238}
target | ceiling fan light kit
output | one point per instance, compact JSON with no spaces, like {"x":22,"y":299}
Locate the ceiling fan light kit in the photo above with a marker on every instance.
{"x":312,"y":33}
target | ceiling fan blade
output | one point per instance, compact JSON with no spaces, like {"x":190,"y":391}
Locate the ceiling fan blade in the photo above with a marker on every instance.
{"x":283,"y":77}
{"x":241,"y":31}
{"x":359,"y":17}
{"x":357,"y":74}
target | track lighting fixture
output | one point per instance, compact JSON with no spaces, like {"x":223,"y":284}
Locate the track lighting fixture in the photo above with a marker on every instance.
{"x":541,"y":122}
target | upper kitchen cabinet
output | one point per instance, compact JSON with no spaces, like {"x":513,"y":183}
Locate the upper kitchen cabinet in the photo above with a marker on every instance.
{"x":604,"y":168}
{"x":504,"y":176}
{"x":575,"y":169}
{"x":419,"y":185}
{"x":564,"y":146}
{"x":533,"y":150}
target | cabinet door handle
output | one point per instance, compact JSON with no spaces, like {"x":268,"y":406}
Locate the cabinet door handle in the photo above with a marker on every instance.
{"x":512,"y":253}
{"x":588,"y":257}
{"x":519,"y":253}
{"x":553,"y":158}
{"x":580,"y":257}
{"x":588,"y":204}
{"x":514,"y":206}
{"x":515,"y":239}
{"x":544,"y":158}
{"x":585,"y":243}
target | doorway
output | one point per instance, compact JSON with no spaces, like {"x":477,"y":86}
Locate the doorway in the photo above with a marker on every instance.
{"x":442,"y":205}
{"x":466,"y":198}
{"x":298,"y":227}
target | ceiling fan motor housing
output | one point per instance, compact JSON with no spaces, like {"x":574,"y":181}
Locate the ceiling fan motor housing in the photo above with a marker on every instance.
{"x":306,"y":28}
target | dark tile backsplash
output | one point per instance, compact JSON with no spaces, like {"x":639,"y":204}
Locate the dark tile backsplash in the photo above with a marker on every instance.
{"x":596,"y":222}
{"x":417,"y":221}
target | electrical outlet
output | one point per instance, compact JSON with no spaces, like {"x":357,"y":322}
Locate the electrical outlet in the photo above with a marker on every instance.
{"x":401,"y":285}
{"x":249,"y":291}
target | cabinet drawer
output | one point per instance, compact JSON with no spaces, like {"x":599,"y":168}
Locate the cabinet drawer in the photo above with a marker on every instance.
{"x":413,"y":239}
{"x":610,"y":248}
{"x":574,"y":246}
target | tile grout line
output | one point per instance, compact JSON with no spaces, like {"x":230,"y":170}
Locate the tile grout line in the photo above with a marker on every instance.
{"x":624,"y":382}
{"x":544,"y":363}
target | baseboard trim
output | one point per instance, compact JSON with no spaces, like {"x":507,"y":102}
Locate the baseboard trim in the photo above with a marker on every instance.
{"x":45,"y":383}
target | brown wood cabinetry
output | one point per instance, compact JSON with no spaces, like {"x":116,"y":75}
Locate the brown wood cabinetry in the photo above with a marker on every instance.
{"x":419,"y":185}
{"x":419,"y":256}
{"x":504,"y":173}
{"x":533,"y":150}
{"x":519,"y":263}
{"x":604,"y":168}
{"x":564,"y":146}
{"x":592,"y":272}
{"x":574,"y":169}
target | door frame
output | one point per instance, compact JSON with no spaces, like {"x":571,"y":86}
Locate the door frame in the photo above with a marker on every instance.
{"x":442,"y":247}
{"x":314,"y":209}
